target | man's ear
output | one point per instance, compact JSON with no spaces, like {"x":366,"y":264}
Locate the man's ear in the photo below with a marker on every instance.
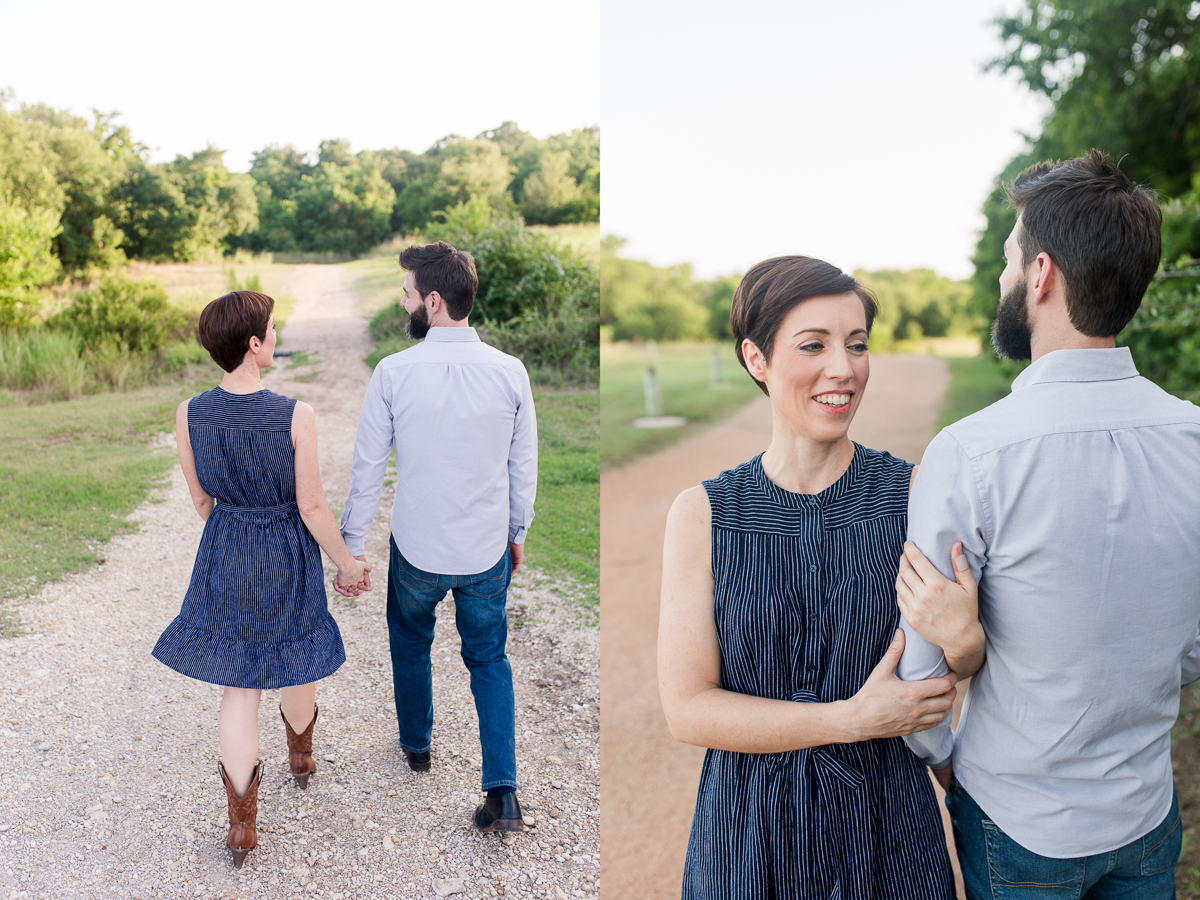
{"x":1048,"y":277}
{"x":436,"y":303}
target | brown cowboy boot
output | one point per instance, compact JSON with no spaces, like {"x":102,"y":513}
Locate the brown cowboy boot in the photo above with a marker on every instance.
{"x":243,"y":815}
{"x":300,"y":749}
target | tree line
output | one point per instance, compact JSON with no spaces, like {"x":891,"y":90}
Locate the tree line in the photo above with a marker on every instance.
{"x":79,"y":196}
{"x":1123,"y":77}
{"x":640,"y":301}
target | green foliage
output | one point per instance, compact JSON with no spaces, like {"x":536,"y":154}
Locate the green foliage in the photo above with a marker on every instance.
{"x":520,"y":271}
{"x":27,"y":259}
{"x":133,"y":314}
{"x":186,"y":209}
{"x":915,"y":304}
{"x":1124,"y":77}
{"x":641,"y":300}
{"x":537,"y":298}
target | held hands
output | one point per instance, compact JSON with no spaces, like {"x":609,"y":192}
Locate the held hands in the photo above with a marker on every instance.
{"x":885,"y":706}
{"x":354,"y":579}
{"x":941,"y":611}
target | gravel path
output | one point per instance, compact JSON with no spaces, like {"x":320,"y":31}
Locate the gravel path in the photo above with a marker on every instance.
{"x":107,"y":758}
{"x":649,"y":778}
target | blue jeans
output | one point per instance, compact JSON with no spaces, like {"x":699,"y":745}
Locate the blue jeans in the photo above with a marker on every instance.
{"x":995,"y":867}
{"x":413,"y":596}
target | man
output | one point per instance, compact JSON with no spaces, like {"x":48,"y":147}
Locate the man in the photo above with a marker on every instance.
{"x":1077,"y":501}
{"x":460,"y":416}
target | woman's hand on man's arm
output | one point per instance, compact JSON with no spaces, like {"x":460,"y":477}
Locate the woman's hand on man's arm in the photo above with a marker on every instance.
{"x":944,"y":612}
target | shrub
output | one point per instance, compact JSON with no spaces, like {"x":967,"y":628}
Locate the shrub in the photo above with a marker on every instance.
{"x":45,"y":361}
{"x":520,"y":271}
{"x":134,"y":313}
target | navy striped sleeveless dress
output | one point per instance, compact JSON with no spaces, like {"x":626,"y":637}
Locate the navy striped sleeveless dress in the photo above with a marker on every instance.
{"x":255,"y":613}
{"x":805,"y":606}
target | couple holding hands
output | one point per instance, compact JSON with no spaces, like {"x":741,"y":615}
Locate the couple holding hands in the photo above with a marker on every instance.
{"x":460,"y":417}
{"x":821,"y":672}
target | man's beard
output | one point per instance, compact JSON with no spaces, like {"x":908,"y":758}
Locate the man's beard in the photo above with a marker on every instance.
{"x":418,"y":324}
{"x":1010,"y":332}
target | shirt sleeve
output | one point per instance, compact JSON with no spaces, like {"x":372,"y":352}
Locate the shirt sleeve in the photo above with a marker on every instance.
{"x":522,"y":467}
{"x":1191,"y":665}
{"x":944,"y":506}
{"x":372,"y":447}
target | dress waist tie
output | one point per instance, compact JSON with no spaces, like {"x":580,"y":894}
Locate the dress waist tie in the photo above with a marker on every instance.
{"x":823,"y":758}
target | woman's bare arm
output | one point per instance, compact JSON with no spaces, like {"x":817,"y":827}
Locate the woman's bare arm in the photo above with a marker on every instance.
{"x":187,"y":461}
{"x":310,"y":498}
{"x":699,"y":711}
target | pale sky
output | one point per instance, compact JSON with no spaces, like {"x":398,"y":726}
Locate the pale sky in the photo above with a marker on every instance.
{"x":863,"y":132}
{"x":245,"y":74}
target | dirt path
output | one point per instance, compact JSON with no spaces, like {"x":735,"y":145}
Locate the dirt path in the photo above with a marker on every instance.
{"x":649,"y":779}
{"x":107,"y":783}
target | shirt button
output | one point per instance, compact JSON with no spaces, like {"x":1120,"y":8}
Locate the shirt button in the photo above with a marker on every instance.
{"x":812,"y":568}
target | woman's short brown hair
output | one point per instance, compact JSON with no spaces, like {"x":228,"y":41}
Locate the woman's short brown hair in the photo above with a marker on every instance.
{"x":774,"y":287}
{"x":228,"y":323}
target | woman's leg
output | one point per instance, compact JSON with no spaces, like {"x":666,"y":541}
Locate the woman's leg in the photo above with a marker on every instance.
{"x":237,"y":730}
{"x":297,"y":704}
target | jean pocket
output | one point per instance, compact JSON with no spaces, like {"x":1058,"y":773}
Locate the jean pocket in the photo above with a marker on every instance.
{"x":1021,"y":874}
{"x":1162,"y":846}
{"x":412,"y":574}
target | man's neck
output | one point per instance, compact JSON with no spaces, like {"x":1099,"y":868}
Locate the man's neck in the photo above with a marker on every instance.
{"x":447,"y":322}
{"x":1040,"y":345}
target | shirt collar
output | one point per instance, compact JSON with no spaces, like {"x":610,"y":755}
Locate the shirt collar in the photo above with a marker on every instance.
{"x":1110,"y":364}
{"x":451,"y":334}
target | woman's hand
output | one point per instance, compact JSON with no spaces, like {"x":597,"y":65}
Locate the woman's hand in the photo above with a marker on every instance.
{"x":944,"y":612}
{"x":886,"y":707}
{"x":353,"y":577}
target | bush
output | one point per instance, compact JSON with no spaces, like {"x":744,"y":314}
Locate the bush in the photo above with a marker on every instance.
{"x":42,"y":360}
{"x":134,"y":313}
{"x":520,"y":271}
{"x":559,"y":347}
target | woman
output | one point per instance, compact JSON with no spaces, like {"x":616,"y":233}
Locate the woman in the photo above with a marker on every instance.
{"x":254,"y":617}
{"x":777,"y":639}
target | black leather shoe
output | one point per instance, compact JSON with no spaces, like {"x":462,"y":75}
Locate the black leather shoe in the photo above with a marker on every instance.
{"x":501,"y":813}
{"x":418,"y":762}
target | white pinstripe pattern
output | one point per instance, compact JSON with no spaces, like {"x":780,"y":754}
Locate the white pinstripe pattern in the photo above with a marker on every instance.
{"x":255,"y":613}
{"x":805,"y":608}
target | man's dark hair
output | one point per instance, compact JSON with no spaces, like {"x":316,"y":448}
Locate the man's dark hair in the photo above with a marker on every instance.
{"x":1102,"y":231}
{"x":774,"y":287}
{"x":439,"y":267}
{"x":228,"y":323}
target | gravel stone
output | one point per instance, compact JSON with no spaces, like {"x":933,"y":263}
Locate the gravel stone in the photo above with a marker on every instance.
{"x":130,"y":805}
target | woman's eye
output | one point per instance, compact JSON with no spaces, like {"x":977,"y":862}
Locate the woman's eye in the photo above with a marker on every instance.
{"x":813,"y":346}
{"x":859,"y":347}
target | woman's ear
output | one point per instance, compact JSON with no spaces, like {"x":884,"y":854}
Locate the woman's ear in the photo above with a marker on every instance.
{"x":756,"y":363}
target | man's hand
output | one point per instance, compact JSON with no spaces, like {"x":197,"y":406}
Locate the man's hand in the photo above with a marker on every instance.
{"x":943,"y":776}
{"x":517,"y":552}
{"x":353,"y":590}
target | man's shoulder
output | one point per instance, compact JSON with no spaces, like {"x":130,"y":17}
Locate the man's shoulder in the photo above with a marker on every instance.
{"x":464,"y":353}
{"x":1028,"y":414}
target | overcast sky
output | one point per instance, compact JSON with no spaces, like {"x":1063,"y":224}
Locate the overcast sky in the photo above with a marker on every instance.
{"x":863,"y":132}
{"x":245,"y":74}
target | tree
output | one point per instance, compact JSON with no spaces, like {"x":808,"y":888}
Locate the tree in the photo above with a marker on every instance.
{"x":1124,"y":77}
{"x":641,"y":300}
{"x":345,"y":205}
{"x":27,"y":259}
{"x":186,"y":209}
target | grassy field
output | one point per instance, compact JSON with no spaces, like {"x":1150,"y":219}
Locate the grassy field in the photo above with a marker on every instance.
{"x":684,"y":373}
{"x":70,"y":473}
{"x":975,"y":382}
{"x":565,"y":536}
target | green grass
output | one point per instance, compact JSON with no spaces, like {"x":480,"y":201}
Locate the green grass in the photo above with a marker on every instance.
{"x":565,"y":536}
{"x":686,"y":386}
{"x":378,"y":280}
{"x":975,"y":382}
{"x":582,"y":236}
{"x":70,"y":473}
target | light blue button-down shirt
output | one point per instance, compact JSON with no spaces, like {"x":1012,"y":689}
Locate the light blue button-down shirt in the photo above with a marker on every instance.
{"x":460,"y":415}
{"x":1077,"y":499}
